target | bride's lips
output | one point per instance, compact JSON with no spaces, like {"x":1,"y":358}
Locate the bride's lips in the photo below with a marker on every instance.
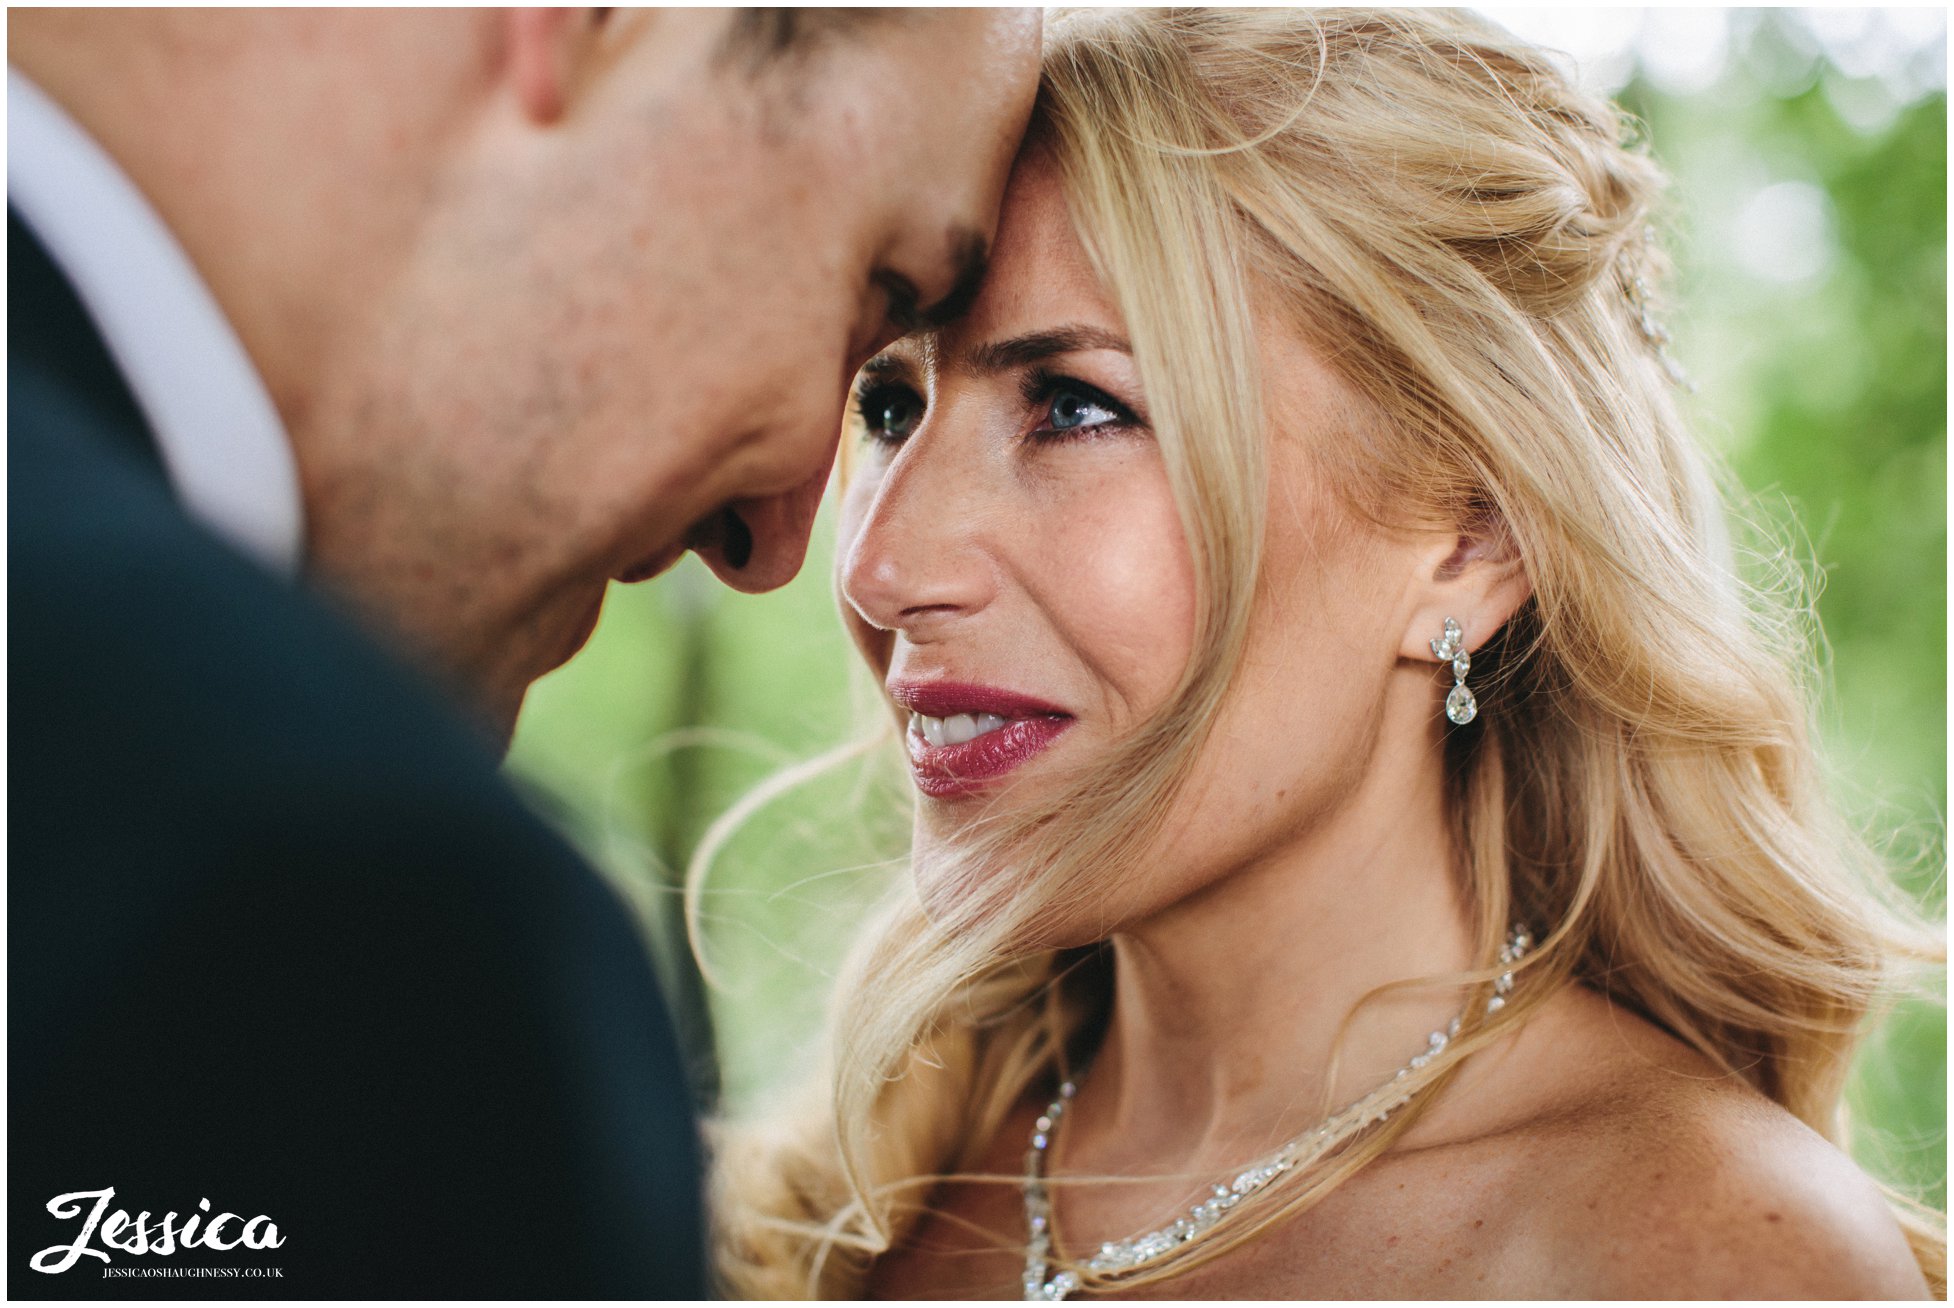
{"x":945,"y":770}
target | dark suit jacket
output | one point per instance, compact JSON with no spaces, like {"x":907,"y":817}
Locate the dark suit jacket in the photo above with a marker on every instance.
{"x":280,"y":937}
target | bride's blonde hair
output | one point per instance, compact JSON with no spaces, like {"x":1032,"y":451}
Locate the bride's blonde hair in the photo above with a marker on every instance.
{"x":1463,"y":234}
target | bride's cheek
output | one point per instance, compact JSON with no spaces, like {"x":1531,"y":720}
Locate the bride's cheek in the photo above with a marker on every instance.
{"x":1121,"y":584}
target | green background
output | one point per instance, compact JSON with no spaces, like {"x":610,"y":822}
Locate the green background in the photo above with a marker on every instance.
{"x":1809,"y":228}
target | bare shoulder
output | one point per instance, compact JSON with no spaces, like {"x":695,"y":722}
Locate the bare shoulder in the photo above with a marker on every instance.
{"x":1677,"y":1182}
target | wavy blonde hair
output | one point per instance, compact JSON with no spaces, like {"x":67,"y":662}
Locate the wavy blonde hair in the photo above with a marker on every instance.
{"x":1462,"y":233}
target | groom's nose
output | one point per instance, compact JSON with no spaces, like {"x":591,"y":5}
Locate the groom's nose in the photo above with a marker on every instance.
{"x":761,"y":542}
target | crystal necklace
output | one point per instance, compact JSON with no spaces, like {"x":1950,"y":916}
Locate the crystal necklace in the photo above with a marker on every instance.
{"x":1124,"y":1255}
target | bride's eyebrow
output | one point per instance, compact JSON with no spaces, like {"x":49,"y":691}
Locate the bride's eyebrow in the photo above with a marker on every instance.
{"x":1020,"y":351}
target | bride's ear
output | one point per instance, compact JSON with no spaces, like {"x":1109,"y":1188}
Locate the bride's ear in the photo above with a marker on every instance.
{"x":545,"y":49}
{"x":1476,"y":577}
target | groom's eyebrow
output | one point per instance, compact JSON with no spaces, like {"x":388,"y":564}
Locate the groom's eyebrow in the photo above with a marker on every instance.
{"x":973,"y":259}
{"x":971,"y":255}
{"x":1033,"y":347}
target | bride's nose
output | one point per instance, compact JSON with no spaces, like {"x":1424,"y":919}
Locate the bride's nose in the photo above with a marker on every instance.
{"x":918,"y":558}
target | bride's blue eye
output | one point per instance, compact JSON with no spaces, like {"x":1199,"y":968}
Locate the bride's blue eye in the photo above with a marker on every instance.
{"x":1072,"y":408}
{"x":889,"y":411}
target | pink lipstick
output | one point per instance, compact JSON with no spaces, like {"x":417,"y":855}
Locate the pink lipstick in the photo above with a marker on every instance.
{"x":964,"y":737}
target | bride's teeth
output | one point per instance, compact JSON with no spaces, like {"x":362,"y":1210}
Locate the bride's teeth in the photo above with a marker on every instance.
{"x":957,"y":729}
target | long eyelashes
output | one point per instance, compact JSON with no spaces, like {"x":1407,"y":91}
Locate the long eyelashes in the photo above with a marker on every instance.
{"x":889,"y":411}
{"x":1064,"y":408}
{"x":1073,"y":409}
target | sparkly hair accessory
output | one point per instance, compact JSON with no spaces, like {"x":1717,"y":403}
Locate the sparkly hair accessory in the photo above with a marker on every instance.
{"x":1641,"y":301}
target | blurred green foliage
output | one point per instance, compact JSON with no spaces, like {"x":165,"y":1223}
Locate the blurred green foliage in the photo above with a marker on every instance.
{"x":1810,"y":237}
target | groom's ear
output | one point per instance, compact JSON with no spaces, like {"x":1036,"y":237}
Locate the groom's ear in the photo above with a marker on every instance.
{"x":546,"y":48}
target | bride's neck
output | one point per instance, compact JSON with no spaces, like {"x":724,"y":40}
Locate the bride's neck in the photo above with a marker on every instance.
{"x":1228,"y":1007}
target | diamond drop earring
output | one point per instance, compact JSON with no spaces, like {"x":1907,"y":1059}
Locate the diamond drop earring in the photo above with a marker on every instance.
{"x":1460,"y":706}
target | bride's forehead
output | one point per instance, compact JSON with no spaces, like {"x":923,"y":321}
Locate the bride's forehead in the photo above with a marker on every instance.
{"x":1040,"y":281}
{"x":1034,"y":227}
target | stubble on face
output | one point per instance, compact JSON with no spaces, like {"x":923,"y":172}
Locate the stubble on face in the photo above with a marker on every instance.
{"x":601,"y":339}
{"x":436,"y":525}
{"x":482,"y":465}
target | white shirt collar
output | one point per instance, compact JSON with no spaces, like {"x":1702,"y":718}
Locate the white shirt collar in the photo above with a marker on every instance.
{"x":220,"y":437}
